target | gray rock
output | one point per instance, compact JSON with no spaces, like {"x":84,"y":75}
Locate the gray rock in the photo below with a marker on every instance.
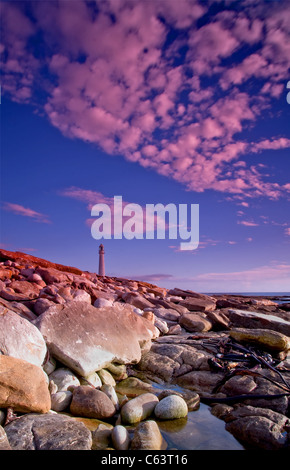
{"x":100,"y":302}
{"x":120,"y":438}
{"x":194,"y":322}
{"x":147,"y":437}
{"x":4,"y":443}
{"x":171,"y":407}
{"x":63,"y":379}
{"x":166,"y":314}
{"x":92,"y":379}
{"x":106,"y":377}
{"x":102,"y":437}
{"x":256,"y":320}
{"x":61,"y":400}
{"x":110,"y":391}
{"x":263,"y":429}
{"x":138,"y":408}
{"x":20,"y":338}
{"x":48,"y":432}
{"x":86,"y":339}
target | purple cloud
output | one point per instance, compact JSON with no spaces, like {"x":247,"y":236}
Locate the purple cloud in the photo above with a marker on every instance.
{"x":112,"y":82}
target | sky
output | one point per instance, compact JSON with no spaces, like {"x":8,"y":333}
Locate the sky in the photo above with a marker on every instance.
{"x":160,"y":102}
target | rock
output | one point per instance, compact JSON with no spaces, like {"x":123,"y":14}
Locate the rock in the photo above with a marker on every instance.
{"x":156,"y":364}
{"x":81,"y":295}
{"x":4,"y":443}
{"x":49,"y":366}
{"x":171,"y":407}
{"x":285,"y":306}
{"x":118,"y":371}
{"x":194,"y":322}
{"x":92,"y":379}
{"x":191,"y":398}
{"x":132,"y":387}
{"x":257,"y":320}
{"x":200,"y":305}
{"x":33,"y":277}
{"x":239,"y":385}
{"x":29,"y":289}
{"x":137,"y":300}
{"x":18,"y":308}
{"x":189,"y":293}
{"x":106,"y":377}
{"x":161,"y":325}
{"x":147,"y":437}
{"x":110,"y":391}
{"x":100,"y":302}
{"x":2,"y":417}
{"x":61,"y":400}
{"x":41,"y":305}
{"x":266,"y":339}
{"x":48,"y":432}
{"x":20,"y":338}
{"x":218,"y":319}
{"x":175,"y":330}
{"x":166,"y":314}
{"x":120,"y":438}
{"x":63,"y":379}
{"x":138,"y":408}
{"x":91,"y":403}
{"x":116,"y":334}
{"x":200,"y":381}
{"x":101,"y":437}
{"x":51,"y":275}
{"x":23,"y":386}
{"x":9,"y":294}
{"x":259,"y":428}
{"x":148,"y":315}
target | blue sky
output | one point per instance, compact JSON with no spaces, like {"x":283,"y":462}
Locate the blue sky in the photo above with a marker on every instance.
{"x":157,"y":104}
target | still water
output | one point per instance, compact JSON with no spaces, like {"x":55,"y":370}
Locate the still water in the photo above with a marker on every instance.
{"x":200,"y":430}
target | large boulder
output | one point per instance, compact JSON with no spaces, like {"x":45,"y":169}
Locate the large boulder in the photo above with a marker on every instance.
{"x":195,"y":322}
{"x":91,"y":403}
{"x":48,"y":432}
{"x":198,"y":304}
{"x":23,"y":386}
{"x":86,"y":339}
{"x":247,"y":319}
{"x":20,"y":338}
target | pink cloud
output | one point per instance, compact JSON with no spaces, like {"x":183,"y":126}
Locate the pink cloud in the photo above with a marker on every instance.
{"x":26,"y":212}
{"x":267,"y":273}
{"x":248,"y":223}
{"x":127,"y":89}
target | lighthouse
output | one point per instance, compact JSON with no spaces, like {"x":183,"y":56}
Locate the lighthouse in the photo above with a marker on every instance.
{"x":101,"y":260}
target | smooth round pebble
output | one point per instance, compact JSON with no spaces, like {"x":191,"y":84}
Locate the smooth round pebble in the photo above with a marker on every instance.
{"x":60,"y":400}
{"x":120,"y":438}
{"x":171,"y":407}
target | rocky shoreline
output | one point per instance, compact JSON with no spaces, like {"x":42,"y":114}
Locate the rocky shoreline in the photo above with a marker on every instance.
{"x":80,"y":354}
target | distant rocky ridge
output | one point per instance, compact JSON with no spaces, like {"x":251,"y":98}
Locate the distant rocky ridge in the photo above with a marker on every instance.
{"x":79,"y":354}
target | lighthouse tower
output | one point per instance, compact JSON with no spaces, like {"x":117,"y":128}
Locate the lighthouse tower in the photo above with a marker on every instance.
{"x":101,"y":260}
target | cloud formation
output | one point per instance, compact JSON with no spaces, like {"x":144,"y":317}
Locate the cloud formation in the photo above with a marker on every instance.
{"x":26,"y":212}
{"x":115,"y":74}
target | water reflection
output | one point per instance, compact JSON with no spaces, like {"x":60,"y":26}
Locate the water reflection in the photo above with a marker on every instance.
{"x":200,"y":430}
